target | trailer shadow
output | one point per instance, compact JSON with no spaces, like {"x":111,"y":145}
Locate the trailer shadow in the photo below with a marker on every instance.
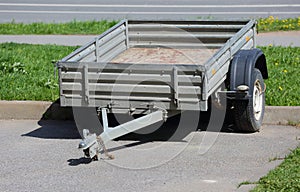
{"x":170,"y":131}
{"x":167,"y":131}
{"x":52,"y":129}
{"x":80,"y":161}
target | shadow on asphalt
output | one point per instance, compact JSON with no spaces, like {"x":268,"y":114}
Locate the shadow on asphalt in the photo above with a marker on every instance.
{"x":161,"y":131}
{"x":55,"y":130}
{"x":82,"y":160}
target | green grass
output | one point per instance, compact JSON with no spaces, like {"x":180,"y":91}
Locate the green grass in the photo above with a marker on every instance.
{"x":275,"y":24}
{"x":26,"y":73}
{"x":97,"y":27}
{"x":246,"y":183}
{"x":70,"y":28}
{"x":286,"y":177}
{"x":284,"y":76}
{"x":294,"y":123}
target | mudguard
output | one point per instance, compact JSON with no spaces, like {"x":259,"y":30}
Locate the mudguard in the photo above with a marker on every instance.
{"x":242,"y":65}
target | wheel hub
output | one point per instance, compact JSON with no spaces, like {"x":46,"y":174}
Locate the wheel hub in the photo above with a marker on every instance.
{"x":257,"y":100}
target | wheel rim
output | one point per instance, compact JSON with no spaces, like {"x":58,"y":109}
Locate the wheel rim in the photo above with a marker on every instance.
{"x":257,"y":100}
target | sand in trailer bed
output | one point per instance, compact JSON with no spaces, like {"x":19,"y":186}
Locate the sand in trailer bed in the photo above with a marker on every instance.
{"x":164,"y":56}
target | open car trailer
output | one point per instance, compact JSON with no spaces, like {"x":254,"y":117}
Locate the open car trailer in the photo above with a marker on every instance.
{"x":160,"y":68}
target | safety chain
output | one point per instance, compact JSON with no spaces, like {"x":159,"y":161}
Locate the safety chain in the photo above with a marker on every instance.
{"x":101,"y":143}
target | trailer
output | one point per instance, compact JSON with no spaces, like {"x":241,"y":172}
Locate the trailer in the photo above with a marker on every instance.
{"x":160,"y":68}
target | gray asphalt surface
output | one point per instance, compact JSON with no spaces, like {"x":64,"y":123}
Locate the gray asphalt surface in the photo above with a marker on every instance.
{"x":43,"y":157}
{"x":66,"y":10}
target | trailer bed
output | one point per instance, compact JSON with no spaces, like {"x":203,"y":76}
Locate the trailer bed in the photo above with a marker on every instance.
{"x":142,"y":55}
{"x":174,"y":65}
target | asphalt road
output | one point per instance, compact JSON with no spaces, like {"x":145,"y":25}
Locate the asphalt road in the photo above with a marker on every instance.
{"x":43,"y":157}
{"x":66,"y":10}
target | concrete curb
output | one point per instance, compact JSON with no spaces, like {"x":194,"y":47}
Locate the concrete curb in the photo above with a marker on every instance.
{"x":281,"y":114}
{"x":23,"y":109}
{"x":34,"y":110}
{"x":47,"y":110}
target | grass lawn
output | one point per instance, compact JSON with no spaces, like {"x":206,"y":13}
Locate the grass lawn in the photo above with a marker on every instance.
{"x":69,"y":28}
{"x":26,"y":73}
{"x":97,"y":27}
{"x":286,"y":177}
{"x":275,"y":24}
{"x":284,"y":76}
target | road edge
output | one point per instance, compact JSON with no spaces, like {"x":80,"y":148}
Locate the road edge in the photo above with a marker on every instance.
{"x":36,"y":110}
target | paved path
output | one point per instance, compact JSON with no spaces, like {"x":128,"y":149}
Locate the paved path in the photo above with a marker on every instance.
{"x":65,"y":10}
{"x":291,"y":38}
{"x":70,"y":40}
{"x":288,"y":38}
{"x":43,"y":157}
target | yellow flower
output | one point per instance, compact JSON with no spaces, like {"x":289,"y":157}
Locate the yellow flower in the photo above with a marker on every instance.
{"x":280,"y":88}
{"x":276,"y":64}
{"x":285,"y":71}
{"x":270,"y":45}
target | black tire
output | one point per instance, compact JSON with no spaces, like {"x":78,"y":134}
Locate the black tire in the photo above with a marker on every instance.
{"x":249,"y":113}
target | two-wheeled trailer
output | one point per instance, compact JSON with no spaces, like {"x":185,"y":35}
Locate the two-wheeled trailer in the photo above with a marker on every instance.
{"x":161,"y":68}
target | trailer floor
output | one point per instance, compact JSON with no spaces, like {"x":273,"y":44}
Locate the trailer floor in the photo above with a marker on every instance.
{"x":164,"y":56}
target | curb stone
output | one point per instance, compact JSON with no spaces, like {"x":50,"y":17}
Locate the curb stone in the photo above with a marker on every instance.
{"x":34,"y":110}
{"x":282,"y":114}
{"x":37,"y":110}
{"x":23,"y":109}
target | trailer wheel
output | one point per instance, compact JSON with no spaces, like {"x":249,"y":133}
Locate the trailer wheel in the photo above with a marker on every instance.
{"x":249,"y":113}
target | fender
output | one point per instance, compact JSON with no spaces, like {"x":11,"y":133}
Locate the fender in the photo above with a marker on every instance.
{"x":242,"y":65}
